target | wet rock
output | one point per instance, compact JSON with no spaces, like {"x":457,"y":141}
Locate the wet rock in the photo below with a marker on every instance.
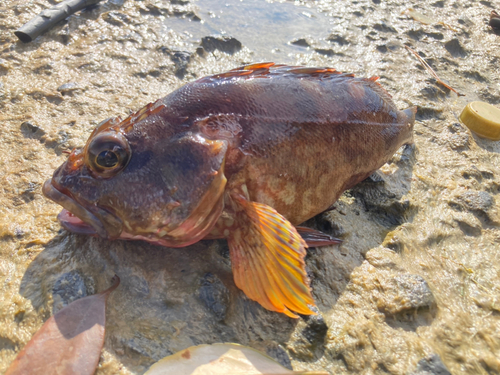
{"x":181,"y":60}
{"x":31,"y":130}
{"x":224,"y":44}
{"x":325,"y":51}
{"x":116,"y":18}
{"x":386,"y":206}
{"x":476,"y":201}
{"x":301,"y":42}
{"x":385,"y":28}
{"x":405,"y":293}
{"x":339,"y":39}
{"x":273,"y":350}
{"x":316,"y":328}
{"x":455,"y":48}
{"x":69,"y":287}
{"x":214,"y":295}
{"x":431,"y":366}
{"x":69,"y":88}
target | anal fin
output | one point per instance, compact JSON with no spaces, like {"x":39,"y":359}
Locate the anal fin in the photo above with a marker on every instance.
{"x":267,"y":256}
{"x":315,"y":238}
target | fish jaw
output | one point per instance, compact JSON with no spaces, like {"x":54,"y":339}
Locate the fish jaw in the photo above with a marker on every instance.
{"x":76,"y":218}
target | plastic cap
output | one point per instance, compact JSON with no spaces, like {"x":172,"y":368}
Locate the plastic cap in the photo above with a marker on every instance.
{"x":483,"y":119}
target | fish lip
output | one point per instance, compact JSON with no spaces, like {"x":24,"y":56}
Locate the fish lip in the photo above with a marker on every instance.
{"x":89,"y":220}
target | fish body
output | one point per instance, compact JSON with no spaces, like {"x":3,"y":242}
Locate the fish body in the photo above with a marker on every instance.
{"x":244,"y":155}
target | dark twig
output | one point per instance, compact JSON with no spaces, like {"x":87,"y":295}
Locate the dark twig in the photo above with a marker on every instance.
{"x":432,"y":72}
{"x":49,"y":17}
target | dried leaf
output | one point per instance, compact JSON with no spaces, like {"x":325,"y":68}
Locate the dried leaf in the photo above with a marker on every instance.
{"x":69,"y":342}
{"x":424,"y":19}
{"x":222,"y":359}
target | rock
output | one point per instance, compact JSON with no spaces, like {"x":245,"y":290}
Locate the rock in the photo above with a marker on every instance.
{"x":116,"y":18}
{"x":31,"y":130}
{"x":404,"y":293}
{"x":385,"y":28}
{"x":315,"y":331}
{"x":339,"y":39}
{"x":69,"y":88}
{"x":69,"y":287}
{"x":224,"y":44}
{"x":475,"y":201}
{"x":301,"y":42}
{"x":431,"y":366}
{"x":181,"y":60}
{"x":455,"y":48}
{"x":385,"y":205}
{"x":214,"y":295}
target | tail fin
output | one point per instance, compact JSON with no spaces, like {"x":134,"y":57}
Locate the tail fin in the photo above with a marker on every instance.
{"x":407,"y":118}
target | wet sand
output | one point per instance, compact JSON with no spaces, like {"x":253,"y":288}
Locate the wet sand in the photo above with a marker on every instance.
{"x":414,"y":287}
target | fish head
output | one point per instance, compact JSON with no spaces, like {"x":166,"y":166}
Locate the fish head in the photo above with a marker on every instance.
{"x":128,"y":184}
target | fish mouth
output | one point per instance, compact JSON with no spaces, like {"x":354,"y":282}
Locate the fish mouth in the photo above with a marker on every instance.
{"x":77,"y":219}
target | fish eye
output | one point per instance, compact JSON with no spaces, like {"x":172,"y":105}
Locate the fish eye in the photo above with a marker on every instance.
{"x":107,"y":154}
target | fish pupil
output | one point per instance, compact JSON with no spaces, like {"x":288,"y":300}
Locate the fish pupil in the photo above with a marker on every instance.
{"x":107,"y":159}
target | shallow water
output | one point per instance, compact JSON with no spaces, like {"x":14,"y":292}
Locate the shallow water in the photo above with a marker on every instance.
{"x":266,"y":28}
{"x":414,"y":285}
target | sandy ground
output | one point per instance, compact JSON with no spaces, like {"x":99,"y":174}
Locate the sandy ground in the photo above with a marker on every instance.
{"x":413,"y":289}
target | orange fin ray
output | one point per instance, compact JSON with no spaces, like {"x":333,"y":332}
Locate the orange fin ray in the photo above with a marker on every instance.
{"x":267,"y":256}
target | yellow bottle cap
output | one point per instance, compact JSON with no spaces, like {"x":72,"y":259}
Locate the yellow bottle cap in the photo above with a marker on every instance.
{"x":483,"y":119}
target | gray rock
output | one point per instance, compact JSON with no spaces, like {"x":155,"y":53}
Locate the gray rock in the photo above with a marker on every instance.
{"x":476,"y":201}
{"x":415,"y":290}
{"x":224,"y":44}
{"x":455,"y":48}
{"x":405,"y":293}
{"x":31,"y":130}
{"x":431,"y":366}
{"x":214,"y":295}
{"x":316,"y":328}
{"x":69,"y":287}
{"x":301,"y":42}
{"x":69,"y":88}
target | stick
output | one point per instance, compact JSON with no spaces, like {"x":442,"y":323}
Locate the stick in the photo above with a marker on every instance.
{"x":49,"y":17}
{"x":433,"y":73}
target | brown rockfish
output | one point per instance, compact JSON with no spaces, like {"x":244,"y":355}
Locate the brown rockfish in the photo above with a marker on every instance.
{"x":244,"y":155}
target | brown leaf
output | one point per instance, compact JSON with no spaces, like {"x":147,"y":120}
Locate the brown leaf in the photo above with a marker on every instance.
{"x":69,"y":342}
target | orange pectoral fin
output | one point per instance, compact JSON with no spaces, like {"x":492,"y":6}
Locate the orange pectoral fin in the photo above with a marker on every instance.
{"x":267,"y":256}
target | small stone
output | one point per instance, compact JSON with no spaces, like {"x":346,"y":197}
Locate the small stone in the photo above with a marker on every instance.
{"x":431,"y":366}
{"x":68,"y":287}
{"x":214,"y":295}
{"x":224,"y":44}
{"x":339,"y":39}
{"x":478,"y":201}
{"x":385,"y":28}
{"x":301,"y":42}
{"x":455,"y":48}
{"x":316,"y":328}
{"x":405,"y":293}
{"x":69,"y":88}
{"x":31,"y":130}
{"x":116,"y":18}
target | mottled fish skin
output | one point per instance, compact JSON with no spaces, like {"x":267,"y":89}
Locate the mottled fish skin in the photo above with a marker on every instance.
{"x":297,"y":140}
{"x":244,"y":155}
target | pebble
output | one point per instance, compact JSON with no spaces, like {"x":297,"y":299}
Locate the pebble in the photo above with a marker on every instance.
{"x":431,"y":366}
{"x":224,"y":44}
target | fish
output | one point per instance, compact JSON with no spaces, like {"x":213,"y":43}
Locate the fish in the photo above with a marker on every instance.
{"x":246,"y":155}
